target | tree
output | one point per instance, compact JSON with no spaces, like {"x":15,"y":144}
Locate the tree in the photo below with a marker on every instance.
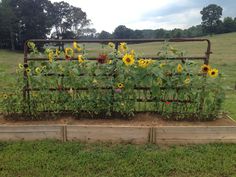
{"x":33,"y":19}
{"x":68,"y":19}
{"x":8,"y":27}
{"x":105,"y":35}
{"x":229,"y":25}
{"x":122,"y":32}
{"x":210,"y":17}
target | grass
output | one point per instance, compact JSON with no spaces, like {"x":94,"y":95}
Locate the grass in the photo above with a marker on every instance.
{"x":223,"y":58}
{"x":53,"y":158}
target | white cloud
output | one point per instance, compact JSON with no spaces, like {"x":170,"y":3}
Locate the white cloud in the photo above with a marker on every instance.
{"x":108,"y":14}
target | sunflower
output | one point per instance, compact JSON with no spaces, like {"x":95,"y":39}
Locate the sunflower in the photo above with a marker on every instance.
{"x":38,"y":70}
{"x":5,"y":96}
{"x":50,"y":56}
{"x":179,"y":68}
{"x":69,"y":52}
{"x":162,"y":65}
{"x":80,"y":58}
{"x":20,"y":66}
{"x":28,"y":70}
{"x":205,"y":68}
{"x":58,"y":52}
{"x":132,"y":52}
{"x":111,"y":45}
{"x":187,"y":80}
{"x":213,"y":72}
{"x":31,"y":45}
{"x":123,"y":46}
{"x":77,"y":46}
{"x":128,"y":59}
{"x":120,"y":85}
{"x":143,"y":63}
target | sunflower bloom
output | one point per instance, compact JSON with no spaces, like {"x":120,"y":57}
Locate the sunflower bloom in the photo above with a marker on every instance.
{"x":120,"y":85}
{"x":69,"y":52}
{"x":128,"y":59}
{"x":123,"y":46}
{"x":213,"y":73}
{"x":50,"y":56}
{"x":20,"y":66}
{"x":38,"y":70}
{"x":162,"y":65}
{"x":205,"y":68}
{"x":80,"y":58}
{"x":28,"y":70}
{"x":5,"y":96}
{"x":58,"y":52}
{"x":111,"y":45}
{"x":77,"y":46}
{"x":187,"y":80}
{"x":179,"y":68}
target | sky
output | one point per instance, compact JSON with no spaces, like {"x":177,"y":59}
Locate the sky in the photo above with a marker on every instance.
{"x":147,"y":14}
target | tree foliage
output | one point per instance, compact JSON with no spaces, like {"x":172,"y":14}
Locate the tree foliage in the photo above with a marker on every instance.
{"x":211,"y":17}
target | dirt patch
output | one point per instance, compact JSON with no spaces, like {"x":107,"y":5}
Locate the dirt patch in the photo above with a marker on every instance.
{"x":138,"y":120}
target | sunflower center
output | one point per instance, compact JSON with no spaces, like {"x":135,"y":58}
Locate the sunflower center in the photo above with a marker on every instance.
{"x":213,"y":73}
{"x":128,"y":60}
{"x":205,"y":68}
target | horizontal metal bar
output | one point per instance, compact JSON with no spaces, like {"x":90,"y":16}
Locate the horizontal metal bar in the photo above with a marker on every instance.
{"x":101,"y":88}
{"x":119,"y":40}
{"x":153,"y":58}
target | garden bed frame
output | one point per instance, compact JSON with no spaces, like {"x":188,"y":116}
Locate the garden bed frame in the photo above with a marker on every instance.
{"x":121,"y":133}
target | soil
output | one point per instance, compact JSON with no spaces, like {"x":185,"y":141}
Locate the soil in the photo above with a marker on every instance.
{"x":138,"y":120}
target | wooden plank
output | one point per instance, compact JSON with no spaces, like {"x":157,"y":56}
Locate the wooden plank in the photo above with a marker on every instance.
{"x":183,"y":135}
{"x":136,"y":135}
{"x":31,"y":132}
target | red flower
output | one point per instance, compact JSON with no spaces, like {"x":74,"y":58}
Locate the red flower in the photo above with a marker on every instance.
{"x":102,"y":58}
{"x":68,"y":57}
{"x":167,"y":102}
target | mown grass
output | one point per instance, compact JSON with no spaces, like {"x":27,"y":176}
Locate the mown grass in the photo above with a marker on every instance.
{"x":53,"y":158}
{"x":223,"y":58}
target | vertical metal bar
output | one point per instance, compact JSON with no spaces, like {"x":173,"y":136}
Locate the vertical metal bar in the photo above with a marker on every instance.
{"x":26,"y":96}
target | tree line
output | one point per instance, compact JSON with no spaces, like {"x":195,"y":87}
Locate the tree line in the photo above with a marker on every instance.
{"x":26,"y":19}
{"x":41,"y":19}
{"x":211,"y":24}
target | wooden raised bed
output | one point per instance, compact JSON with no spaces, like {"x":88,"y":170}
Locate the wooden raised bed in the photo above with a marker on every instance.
{"x":122,"y":131}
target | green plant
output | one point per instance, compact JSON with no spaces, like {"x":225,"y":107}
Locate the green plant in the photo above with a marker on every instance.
{"x":121,"y":81}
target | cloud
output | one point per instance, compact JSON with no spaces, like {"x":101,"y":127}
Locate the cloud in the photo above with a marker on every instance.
{"x":149,"y":14}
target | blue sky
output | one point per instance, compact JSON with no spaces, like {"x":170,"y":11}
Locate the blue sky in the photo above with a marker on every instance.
{"x":148,"y":14}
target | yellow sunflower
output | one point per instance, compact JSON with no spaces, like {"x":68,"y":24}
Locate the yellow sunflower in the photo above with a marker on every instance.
{"x":5,"y":96}
{"x":80,"y":58}
{"x":50,"y":56}
{"x":120,"y":85}
{"x":162,"y":65}
{"x":179,"y":68}
{"x":58,"y":52}
{"x":205,"y":68}
{"x":187,"y":80}
{"x":213,"y":72}
{"x":111,"y":45}
{"x":128,"y":59}
{"x":143,"y":63}
{"x":77,"y":46}
{"x":123,"y":46}
{"x":38,"y":70}
{"x":28,"y":70}
{"x":20,"y":66}
{"x":69,"y":52}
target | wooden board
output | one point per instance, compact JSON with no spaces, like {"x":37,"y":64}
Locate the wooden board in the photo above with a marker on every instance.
{"x":189,"y":135}
{"x":90,"y":133}
{"x":31,"y":132}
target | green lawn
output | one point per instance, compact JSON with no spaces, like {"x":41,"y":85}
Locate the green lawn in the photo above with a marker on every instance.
{"x":223,"y":57}
{"x":52,"y":158}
